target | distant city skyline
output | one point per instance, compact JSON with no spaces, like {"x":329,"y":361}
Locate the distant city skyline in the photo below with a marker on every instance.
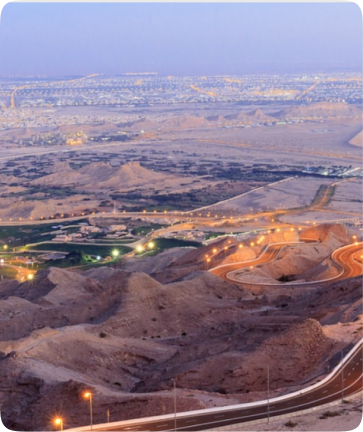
{"x":57,"y":39}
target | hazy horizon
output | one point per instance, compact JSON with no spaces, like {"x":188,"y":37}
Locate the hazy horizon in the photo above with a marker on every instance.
{"x":182,"y":39}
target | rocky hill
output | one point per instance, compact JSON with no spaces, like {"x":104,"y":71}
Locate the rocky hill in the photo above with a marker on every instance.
{"x":125,"y":335}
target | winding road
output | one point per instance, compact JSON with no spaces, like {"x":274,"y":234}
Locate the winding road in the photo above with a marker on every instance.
{"x":346,"y":378}
{"x":346,"y":257}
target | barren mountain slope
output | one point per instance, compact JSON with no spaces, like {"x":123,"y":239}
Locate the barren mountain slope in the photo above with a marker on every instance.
{"x":125,"y":336}
{"x":99,"y":175}
{"x":323,"y":110}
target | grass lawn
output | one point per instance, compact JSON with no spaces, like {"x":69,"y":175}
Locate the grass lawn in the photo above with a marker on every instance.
{"x":146,"y":229}
{"x":16,"y":235}
{"x":86,"y":249}
{"x":7,"y":272}
{"x":162,"y":244}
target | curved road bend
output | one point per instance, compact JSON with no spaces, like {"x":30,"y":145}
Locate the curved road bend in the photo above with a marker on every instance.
{"x":269,"y":254}
{"x":345,"y":258}
{"x":342,"y":384}
{"x":329,"y":392}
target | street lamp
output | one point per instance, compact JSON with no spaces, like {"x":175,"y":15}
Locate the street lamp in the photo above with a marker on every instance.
{"x":342,"y":374}
{"x":88,"y":395}
{"x":59,"y":422}
{"x":139,"y":248}
{"x":115,"y":253}
{"x":174,"y":381}
{"x":268,"y":393}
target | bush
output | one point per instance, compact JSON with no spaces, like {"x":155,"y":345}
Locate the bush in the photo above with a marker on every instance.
{"x":290,"y":424}
{"x":329,"y":414}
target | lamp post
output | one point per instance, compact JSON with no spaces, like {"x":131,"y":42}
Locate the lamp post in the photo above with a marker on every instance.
{"x":341,"y":352}
{"x":174,"y":381}
{"x":268,"y":394}
{"x":88,"y":395}
{"x":59,"y":422}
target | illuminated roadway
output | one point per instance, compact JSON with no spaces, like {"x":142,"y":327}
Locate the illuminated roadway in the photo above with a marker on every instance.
{"x":345,"y":257}
{"x":347,"y":379}
{"x":331,"y":391}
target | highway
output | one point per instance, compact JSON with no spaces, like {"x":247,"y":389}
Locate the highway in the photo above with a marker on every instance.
{"x":345,"y":380}
{"x":342,"y":383}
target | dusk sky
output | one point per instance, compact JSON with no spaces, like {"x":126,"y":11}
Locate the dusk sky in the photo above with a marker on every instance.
{"x":179,"y":38}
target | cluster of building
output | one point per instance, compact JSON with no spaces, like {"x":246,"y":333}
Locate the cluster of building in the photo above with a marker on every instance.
{"x":155,"y":89}
{"x":88,"y":233}
{"x":334,"y":171}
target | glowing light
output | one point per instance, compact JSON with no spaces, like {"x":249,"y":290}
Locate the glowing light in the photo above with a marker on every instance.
{"x":5,"y":246}
{"x":240,"y":246}
{"x":278,"y":230}
{"x":208,"y":259}
{"x":252,"y":244}
{"x":214,"y":250}
{"x":139,"y":248}
{"x":115,"y":253}
{"x":98,"y":257}
{"x":251,"y":267}
{"x":151,"y":245}
{"x":30,"y":276}
{"x":87,"y":395}
{"x":59,"y":422}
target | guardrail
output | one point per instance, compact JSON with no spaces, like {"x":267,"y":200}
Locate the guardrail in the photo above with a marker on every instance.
{"x":293,"y":283}
{"x":102,"y":426}
{"x":145,"y":420}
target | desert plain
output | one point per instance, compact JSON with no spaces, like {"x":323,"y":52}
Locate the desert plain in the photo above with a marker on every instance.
{"x":127,"y":328}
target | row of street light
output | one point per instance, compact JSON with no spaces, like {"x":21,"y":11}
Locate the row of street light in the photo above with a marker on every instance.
{"x":58,"y":421}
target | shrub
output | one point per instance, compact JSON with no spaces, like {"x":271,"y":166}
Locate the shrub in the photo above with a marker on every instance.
{"x":327,"y":414}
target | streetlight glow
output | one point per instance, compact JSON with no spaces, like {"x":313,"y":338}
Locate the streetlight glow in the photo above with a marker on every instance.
{"x":115,"y":253}
{"x":88,"y":395}
{"x":139,"y":248}
{"x":151,"y":245}
{"x":59,"y":422}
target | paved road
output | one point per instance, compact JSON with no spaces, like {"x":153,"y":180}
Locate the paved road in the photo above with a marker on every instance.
{"x":346,"y":381}
{"x":344,"y":257}
{"x":342,"y":384}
